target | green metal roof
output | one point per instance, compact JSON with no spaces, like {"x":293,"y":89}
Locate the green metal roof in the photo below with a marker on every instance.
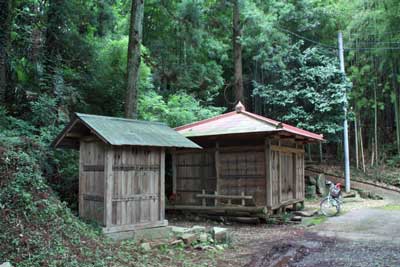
{"x":120,"y":131}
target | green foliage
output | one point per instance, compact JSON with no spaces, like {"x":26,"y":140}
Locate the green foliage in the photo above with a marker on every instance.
{"x":179,"y":109}
{"x":43,"y":111}
{"x":308,"y":92}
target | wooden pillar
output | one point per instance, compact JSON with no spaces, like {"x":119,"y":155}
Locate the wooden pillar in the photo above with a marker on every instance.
{"x":295,"y":176}
{"x":174,"y":173}
{"x":162,"y":184}
{"x":108,"y":185}
{"x":268,"y":173}
{"x":279,"y":175}
{"x":217,"y":171}
{"x":303,"y":189}
{"x":81,"y":179}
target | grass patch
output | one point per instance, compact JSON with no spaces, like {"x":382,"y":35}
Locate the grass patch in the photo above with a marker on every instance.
{"x":315,"y":220}
{"x":391,"y":207}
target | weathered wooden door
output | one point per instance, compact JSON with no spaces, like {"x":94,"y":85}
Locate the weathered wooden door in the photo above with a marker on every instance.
{"x":91,"y":180}
{"x":136,"y":186}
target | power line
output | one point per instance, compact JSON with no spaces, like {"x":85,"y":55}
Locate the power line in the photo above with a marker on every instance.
{"x":334,"y":48}
{"x":371,"y":48}
{"x":373,"y":42}
{"x":307,"y":39}
{"x":372,"y":34}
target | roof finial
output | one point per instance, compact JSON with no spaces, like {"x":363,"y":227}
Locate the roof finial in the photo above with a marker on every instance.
{"x":239,"y":107}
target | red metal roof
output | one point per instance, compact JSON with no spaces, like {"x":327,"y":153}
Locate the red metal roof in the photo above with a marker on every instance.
{"x":241,"y":121}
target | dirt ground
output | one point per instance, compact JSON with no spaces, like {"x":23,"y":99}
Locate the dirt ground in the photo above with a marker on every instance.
{"x":367,"y":233}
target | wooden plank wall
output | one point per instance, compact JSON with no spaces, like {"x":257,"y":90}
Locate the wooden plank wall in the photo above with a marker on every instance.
{"x":195,"y":171}
{"x":243,"y":171}
{"x":287,"y":175}
{"x":91,"y":181}
{"x":136,"y":185}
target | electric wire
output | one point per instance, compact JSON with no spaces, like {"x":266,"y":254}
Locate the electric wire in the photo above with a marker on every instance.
{"x":326,"y":46}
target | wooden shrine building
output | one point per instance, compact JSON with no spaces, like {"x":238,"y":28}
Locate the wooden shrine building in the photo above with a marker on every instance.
{"x":121,"y":169}
{"x":248,"y":163}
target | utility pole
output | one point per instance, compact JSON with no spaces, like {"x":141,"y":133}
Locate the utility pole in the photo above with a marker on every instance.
{"x":345,"y":128}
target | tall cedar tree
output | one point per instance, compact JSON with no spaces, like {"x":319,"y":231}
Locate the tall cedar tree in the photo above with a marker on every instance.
{"x":135,"y":40}
{"x":237,"y":52}
{"x":5,"y":23}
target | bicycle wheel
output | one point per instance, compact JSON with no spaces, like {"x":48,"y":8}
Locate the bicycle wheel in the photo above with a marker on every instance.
{"x":330,"y":207}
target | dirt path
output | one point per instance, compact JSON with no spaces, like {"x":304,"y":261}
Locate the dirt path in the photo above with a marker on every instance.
{"x":366,"y":234}
{"x":363,"y":236}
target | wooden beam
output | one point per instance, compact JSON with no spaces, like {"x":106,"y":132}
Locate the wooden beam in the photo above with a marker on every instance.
{"x":288,"y":138}
{"x":295,"y":175}
{"x":279,"y":174}
{"x":241,"y":148}
{"x":286,"y":149}
{"x":204,"y":195}
{"x":61,"y":136}
{"x":255,"y":209}
{"x":287,"y":203}
{"x":174,"y":170}
{"x":194,"y":150}
{"x":162,"y":184}
{"x":268,"y":173}
{"x":108,"y":185}
{"x":96,"y":198}
{"x":74,"y":135}
{"x":133,"y":227}
{"x":91,"y":138}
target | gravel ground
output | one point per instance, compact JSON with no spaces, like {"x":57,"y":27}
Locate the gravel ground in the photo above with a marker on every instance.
{"x":365,"y":234}
{"x":340,"y":252}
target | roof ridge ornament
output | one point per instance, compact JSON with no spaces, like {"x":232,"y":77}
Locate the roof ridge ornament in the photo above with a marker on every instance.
{"x":239,"y":107}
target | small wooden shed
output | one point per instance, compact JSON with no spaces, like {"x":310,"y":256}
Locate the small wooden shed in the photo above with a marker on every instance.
{"x":121,"y":169}
{"x":248,"y":163}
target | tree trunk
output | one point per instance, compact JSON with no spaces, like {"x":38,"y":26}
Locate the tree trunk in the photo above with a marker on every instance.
{"x":361,"y":145}
{"x":375,"y":125}
{"x":5,"y":23}
{"x":135,"y":40}
{"x":37,"y":39}
{"x":356,"y":139}
{"x":237,"y":52}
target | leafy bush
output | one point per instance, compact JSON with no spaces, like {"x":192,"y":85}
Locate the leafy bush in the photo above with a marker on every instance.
{"x":177,"y":110}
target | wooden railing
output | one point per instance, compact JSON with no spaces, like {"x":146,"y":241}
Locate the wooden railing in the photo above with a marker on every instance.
{"x":216,"y":197}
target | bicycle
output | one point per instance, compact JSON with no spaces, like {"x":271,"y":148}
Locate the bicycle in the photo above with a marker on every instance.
{"x":331,"y":204}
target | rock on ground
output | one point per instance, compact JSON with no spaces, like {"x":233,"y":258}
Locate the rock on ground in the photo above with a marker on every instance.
{"x":220,"y":234}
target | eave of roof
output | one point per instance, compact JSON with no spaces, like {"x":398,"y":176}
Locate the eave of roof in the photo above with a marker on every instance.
{"x":282,"y":127}
{"x":121,"y":131}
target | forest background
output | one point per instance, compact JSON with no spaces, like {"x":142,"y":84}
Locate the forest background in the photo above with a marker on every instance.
{"x":63,"y":56}
{"x":58,"y":57}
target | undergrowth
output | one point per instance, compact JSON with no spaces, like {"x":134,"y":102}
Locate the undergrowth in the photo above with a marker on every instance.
{"x":38,"y":228}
